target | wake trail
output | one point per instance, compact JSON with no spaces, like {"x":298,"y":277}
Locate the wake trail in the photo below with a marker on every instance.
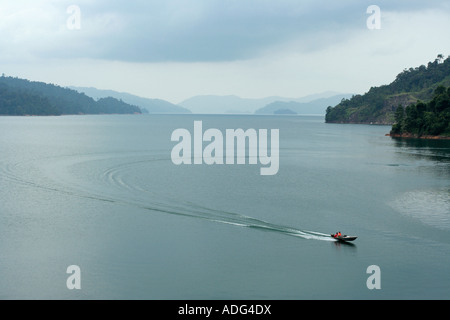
{"x":243,"y":221}
{"x":157,"y":203}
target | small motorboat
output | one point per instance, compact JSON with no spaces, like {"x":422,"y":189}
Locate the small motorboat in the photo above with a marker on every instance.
{"x":343,"y":237}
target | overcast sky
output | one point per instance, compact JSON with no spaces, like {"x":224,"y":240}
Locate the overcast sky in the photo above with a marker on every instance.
{"x":176,"y":49}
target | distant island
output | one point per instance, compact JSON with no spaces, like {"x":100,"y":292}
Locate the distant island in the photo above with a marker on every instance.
{"x":414,"y":86}
{"x":313,"y":104}
{"x":20,"y":97}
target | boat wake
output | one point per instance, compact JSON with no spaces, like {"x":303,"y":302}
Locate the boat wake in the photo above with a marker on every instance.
{"x":104,"y":177}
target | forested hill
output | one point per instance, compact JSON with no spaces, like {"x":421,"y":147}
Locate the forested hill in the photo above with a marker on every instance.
{"x":379,"y":104}
{"x":24,"y":97}
{"x":430,"y":119}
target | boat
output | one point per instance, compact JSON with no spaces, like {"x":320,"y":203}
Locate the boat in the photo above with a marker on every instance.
{"x":344,"y":238}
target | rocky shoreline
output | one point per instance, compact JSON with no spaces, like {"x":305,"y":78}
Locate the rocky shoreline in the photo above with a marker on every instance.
{"x":415,"y":136}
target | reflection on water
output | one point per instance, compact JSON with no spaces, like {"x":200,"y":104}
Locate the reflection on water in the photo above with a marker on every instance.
{"x":349,"y":245}
{"x":435,"y":150}
{"x":431,"y":206}
{"x":426,"y":153}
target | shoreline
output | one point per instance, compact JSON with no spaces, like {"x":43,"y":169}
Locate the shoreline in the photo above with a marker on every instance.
{"x":415,"y":136}
{"x":371,"y":123}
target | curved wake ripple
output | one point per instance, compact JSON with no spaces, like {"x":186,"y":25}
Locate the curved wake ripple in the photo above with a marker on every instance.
{"x":57,"y":175}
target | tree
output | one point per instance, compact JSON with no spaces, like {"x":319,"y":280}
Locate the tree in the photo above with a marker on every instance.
{"x":398,"y":116}
{"x":24,"y":97}
{"x":432,"y":118}
{"x":378,"y":104}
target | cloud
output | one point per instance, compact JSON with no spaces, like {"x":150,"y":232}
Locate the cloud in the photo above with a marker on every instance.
{"x":252,"y":48}
{"x":180,"y":30}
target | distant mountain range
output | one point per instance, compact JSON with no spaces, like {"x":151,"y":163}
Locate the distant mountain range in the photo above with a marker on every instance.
{"x":147,"y":105}
{"x":317,"y":106}
{"x":311,"y":104}
{"x":215,"y":104}
{"x":24,"y":97}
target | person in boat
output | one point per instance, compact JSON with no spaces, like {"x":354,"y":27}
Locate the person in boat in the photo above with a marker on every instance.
{"x":338,"y":234}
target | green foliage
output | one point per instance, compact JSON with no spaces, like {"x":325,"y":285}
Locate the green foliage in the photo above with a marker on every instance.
{"x":19,"y":102}
{"x":378,"y":105}
{"x":432,"y":118}
{"x":23,"y":97}
{"x":399,"y":117}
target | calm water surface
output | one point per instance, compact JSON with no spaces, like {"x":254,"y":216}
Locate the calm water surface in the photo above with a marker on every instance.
{"x":101,"y":192}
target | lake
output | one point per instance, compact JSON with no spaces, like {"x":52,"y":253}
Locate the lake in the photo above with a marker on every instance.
{"x":102,"y":193}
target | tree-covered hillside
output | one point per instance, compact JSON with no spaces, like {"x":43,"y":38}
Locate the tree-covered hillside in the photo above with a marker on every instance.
{"x":24,"y":97}
{"x":147,"y":105}
{"x":378,"y":105}
{"x":425,"y":119}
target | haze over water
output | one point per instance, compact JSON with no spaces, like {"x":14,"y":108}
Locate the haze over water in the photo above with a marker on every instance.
{"x":101,"y":192}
